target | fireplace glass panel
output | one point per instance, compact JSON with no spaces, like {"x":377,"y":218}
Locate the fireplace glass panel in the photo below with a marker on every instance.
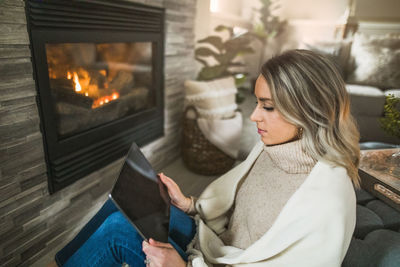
{"x":95,"y":83}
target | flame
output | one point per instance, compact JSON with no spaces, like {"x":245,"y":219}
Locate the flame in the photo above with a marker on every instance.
{"x":78,"y":87}
{"x":84,"y":85}
{"x":104,"y":100}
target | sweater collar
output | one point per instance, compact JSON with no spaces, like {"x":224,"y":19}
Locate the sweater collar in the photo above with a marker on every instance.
{"x":290,"y":157}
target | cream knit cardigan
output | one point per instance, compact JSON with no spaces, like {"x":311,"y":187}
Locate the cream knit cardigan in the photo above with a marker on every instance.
{"x":314,"y":227}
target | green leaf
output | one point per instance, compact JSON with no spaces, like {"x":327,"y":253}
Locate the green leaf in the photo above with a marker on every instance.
{"x":226,"y":58}
{"x":204,"y":52}
{"x":214,"y":40}
{"x":221,"y":28}
{"x":210,"y":73}
{"x":391,"y":120}
{"x":202,"y":61}
{"x":240,"y":79}
{"x":246,"y":50}
{"x":236,"y":64}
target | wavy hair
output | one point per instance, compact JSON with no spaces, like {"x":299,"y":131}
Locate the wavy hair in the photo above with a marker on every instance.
{"x":309,"y":92}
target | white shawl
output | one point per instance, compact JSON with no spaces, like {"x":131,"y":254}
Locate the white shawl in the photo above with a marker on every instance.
{"x":314,"y":227}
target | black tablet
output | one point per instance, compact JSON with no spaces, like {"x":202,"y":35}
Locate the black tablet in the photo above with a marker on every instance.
{"x":141,"y":196}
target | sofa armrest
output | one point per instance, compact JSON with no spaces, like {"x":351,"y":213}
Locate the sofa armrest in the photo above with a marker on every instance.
{"x":366,"y":100}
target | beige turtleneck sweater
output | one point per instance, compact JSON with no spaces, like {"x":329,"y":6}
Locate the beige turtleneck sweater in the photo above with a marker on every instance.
{"x":276,"y":174}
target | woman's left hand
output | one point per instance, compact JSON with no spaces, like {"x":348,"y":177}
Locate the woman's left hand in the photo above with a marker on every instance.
{"x":162,"y":254}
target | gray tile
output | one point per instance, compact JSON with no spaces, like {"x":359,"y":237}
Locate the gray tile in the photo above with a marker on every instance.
{"x":17,"y":133}
{"x":9,"y":191}
{"x":19,"y":241}
{"x":13,"y":34}
{"x":33,"y":181}
{"x":21,"y":114}
{"x":19,"y":66}
{"x":18,"y":203}
{"x":14,"y":51}
{"x":13,"y":15}
{"x":12,"y":3}
{"x":32,"y":171}
{"x":10,"y":260}
{"x":13,"y":104}
{"x":27,"y":213}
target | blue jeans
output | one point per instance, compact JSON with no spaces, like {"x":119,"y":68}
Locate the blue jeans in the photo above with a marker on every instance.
{"x":109,"y":240}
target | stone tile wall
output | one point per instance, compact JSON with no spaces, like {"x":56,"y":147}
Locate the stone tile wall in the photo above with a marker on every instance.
{"x":34,"y":224}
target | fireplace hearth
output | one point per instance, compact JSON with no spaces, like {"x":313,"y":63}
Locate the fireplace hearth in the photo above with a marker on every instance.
{"x":98,"y":67}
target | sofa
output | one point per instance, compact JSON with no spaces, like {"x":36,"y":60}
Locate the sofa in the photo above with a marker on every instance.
{"x":370,"y":65}
{"x":376,"y":239}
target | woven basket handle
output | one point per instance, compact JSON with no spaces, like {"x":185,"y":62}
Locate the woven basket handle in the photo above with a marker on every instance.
{"x":194,"y":110}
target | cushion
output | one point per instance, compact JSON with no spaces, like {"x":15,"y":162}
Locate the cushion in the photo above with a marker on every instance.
{"x":366,"y":100}
{"x":224,"y":134}
{"x":337,"y":50}
{"x":376,"y":61}
{"x":363,"y":196}
{"x":390,"y":217}
{"x":379,"y":248}
{"x":214,"y":99}
{"x":366,"y":222}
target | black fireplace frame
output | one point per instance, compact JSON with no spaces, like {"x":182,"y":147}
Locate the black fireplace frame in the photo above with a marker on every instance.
{"x":96,"y":21}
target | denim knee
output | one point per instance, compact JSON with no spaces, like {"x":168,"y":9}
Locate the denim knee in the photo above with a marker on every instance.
{"x":117,"y":225}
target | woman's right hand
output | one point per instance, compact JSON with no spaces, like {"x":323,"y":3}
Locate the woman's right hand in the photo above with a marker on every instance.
{"x":177,"y":197}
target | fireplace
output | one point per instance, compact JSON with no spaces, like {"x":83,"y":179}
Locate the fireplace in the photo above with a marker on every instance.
{"x":98,"y":67}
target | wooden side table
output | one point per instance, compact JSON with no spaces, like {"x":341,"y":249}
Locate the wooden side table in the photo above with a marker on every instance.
{"x":380,"y":174}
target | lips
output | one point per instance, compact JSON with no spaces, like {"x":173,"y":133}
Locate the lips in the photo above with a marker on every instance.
{"x":260,"y":131}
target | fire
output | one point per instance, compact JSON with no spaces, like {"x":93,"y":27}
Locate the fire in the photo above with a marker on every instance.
{"x":78,"y":87}
{"x":104,"y":100}
{"x":83,"y":84}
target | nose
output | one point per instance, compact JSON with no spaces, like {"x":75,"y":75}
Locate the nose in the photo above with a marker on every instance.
{"x":255,"y":116}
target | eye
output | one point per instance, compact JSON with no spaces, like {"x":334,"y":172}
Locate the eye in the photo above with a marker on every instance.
{"x":268,"y":108}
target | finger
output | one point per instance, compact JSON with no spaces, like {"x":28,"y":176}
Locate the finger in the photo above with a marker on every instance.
{"x":145,"y":247}
{"x":154,"y":252}
{"x":171,"y":185}
{"x":153,"y":242}
{"x":166,"y":179}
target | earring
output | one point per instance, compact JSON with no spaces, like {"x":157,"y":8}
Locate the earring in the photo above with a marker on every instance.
{"x":299,"y":132}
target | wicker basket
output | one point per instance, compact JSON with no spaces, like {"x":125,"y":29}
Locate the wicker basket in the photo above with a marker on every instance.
{"x":198,"y":154}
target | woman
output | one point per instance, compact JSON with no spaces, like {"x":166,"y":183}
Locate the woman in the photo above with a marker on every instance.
{"x":291,"y":202}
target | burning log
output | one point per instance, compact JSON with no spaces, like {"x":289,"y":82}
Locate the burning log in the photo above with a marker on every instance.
{"x":63,"y":90}
{"x":123,"y":80}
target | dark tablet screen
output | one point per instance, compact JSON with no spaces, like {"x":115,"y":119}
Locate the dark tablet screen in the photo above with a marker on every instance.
{"x":142,"y":197}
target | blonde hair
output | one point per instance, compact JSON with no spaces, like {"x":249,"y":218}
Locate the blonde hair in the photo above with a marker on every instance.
{"x":309,"y":92}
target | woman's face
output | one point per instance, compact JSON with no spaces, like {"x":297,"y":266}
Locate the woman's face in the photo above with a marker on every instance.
{"x":272,"y":127}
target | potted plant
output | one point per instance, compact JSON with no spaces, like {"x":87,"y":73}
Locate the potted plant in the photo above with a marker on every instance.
{"x":269,"y":26}
{"x":225,"y":53}
{"x":391,"y":120}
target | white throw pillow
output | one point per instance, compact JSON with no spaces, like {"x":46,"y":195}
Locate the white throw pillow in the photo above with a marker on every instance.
{"x":214,"y":99}
{"x":337,"y":50}
{"x":377,"y":61}
{"x":224,"y":134}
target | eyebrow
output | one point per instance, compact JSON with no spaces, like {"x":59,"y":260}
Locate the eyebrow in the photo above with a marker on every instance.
{"x":263,"y":99}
